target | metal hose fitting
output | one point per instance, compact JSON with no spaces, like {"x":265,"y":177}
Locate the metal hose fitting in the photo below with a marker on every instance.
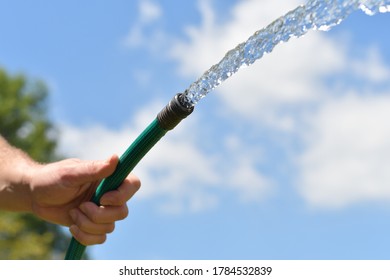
{"x":172,"y":114}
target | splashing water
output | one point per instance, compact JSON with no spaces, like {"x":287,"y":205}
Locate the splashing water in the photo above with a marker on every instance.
{"x":316,"y":14}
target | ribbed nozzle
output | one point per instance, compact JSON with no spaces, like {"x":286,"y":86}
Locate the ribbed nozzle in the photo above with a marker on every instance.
{"x":174,"y":112}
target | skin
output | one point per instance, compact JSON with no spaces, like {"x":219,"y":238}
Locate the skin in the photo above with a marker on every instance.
{"x":59,"y":192}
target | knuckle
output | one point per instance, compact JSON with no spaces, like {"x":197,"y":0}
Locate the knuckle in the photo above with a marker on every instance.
{"x":92,"y":167}
{"x":100,"y":239}
{"x":77,"y":221}
{"x":92,"y":212}
{"x":80,"y":237}
{"x":89,"y":210}
{"x":66,"y":167}
{"x":88,"y":239}
{"x":124,"y":212}
{"x":120,"y":199}
{"x":94,"y":217}
{"x":110,"y":227}
{"x":83,"y":240}
{"x":136,"y":183}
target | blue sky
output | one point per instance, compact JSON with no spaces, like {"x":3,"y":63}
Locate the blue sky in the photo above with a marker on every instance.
{"x":287,"y":159}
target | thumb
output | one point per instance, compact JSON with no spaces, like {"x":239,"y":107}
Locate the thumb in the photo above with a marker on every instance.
{"x":90,"y":171}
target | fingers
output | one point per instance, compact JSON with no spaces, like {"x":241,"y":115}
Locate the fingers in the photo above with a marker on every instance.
{"x":91,"y":223}
{"x":86,"y":238}
{"x":125,"y":191}
{"x":86,"y":224}
{"x":104,"y":214}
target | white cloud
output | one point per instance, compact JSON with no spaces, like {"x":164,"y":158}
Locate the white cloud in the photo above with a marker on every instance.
{"x":371,"y":67}
{"x":348,"y":152}
{"x":149,"y":11}
{"x":148,"y":14}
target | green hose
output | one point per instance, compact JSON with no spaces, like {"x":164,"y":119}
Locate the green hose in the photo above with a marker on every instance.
{"x":166,"y":120}
{"x":145,"y":141}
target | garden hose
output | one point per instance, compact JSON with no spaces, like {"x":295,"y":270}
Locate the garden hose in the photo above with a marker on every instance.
{"x":166,"y":120}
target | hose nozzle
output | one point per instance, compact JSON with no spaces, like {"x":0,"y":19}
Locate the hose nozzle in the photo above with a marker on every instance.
{"x":172,"y":114}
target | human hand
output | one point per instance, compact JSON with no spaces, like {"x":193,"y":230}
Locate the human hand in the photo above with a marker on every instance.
{"x":61,"y":192}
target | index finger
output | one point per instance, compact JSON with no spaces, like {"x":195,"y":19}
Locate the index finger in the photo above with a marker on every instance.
{"x":123,"y":193}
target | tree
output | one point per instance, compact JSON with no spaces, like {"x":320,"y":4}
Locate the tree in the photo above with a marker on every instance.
{"x":24,"y":124}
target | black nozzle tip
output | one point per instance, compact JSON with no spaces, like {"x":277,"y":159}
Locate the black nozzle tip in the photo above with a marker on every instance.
{"x":174,"y":112}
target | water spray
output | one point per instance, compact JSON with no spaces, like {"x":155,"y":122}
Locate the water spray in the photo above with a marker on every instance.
{"x":316,"y":14}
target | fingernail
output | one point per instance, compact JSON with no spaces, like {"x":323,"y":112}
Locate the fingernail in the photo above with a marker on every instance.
{"x":74,"y":230}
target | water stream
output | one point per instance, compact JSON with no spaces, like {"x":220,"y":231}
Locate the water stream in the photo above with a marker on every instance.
{"x":316,"y":14}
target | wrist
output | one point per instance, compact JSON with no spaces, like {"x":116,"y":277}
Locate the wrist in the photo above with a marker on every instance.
{"x":16,"y":172}
{"x":16,"y":187}
{"x":27,"y":172}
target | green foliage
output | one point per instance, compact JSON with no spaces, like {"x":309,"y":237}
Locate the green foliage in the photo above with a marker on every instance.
{"x":21,"y":239}
{"x":24,"y":124}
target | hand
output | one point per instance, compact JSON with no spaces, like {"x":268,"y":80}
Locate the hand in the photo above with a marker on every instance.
{"x":61,"y":192}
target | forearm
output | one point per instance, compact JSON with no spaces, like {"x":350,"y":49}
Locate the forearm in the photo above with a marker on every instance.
{"x":15,"y":170}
